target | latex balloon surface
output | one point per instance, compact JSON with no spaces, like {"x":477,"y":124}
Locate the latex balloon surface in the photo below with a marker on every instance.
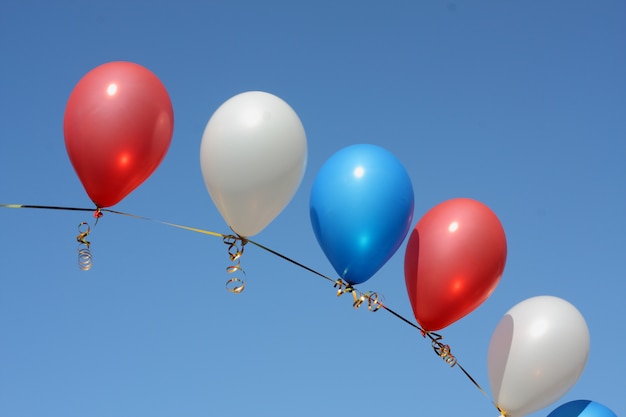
{"x":536,"y":354}
{"x":118,"y":127}
{"x":582,"y":408}
{"x":453,"y":261}
{"x":253,"y":157}
{"x":361,"y":208}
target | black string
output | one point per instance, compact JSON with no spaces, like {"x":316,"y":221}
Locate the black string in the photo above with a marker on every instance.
{"x":48,"y":207}
{"x":273,"y":252}
{"x":397,"y":315}
{"x":407,"y":321}
{"x":286,"y":258}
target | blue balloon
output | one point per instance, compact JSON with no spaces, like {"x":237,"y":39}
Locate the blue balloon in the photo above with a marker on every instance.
{"x":582,"y":408}
{"x":361,"y":209}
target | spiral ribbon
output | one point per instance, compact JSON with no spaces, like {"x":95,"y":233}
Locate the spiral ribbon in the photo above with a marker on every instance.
{"x":236,"y":246}
{"x":372,"y":298}
{"x":440,"y":349}
{"x":85,"y":258}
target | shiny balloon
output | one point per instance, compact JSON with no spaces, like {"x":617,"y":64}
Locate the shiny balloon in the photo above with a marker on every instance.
{"x":453,"y":261}
{"x":582,"y":408}
{"x":536,"y":354}
{"x":118,"y":127}
{"x":253,"y":156}
{"x":361,"y":208}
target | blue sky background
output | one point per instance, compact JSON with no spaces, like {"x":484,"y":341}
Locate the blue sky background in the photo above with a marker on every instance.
{"x":521,"y":105}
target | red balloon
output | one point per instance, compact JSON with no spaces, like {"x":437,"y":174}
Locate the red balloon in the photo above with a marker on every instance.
{"x":118,"y":127}
{"x":453,"y":261}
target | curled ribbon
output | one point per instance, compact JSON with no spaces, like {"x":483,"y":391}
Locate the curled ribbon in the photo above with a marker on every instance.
{"x":440,"y":349}
{"x":235,"y":285}
{"x":85,"y":258}
{"x":372,"y":298}
{"x":236,"y":246}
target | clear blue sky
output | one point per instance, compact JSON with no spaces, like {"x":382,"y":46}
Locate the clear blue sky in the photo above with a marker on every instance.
{"x":521,"y":105}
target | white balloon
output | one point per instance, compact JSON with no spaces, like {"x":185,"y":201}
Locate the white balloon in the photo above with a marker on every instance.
{"x":253,"y":157}
{"x":537,"y":353}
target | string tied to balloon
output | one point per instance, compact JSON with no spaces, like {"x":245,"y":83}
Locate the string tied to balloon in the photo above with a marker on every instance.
{"x":236,"y":246}
{"x":371,"y":298}
{"x":97,"y":214}
{"x":442,"y":350}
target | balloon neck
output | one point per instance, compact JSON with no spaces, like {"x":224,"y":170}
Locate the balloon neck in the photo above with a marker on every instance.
{"x":97,"y":214}
{"x":240,"y":237}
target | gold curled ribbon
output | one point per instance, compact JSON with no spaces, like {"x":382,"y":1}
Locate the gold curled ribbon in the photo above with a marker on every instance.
{"x":235,"y":285}
{"x":373,"y":301}
{"x":236,"y":246}
{"x":372,"y":298}
{"x":85,"y":258}
{"x":443,"y":351}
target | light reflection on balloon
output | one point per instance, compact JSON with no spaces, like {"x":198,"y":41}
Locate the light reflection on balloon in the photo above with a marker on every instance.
{"x":112,"y":89}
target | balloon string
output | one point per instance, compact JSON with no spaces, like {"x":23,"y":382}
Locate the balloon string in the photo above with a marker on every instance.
{"x":280,"y":255}
{"x":343,"y":287}
{"x":235,"y":245}
{"x":235,"y":250}
{"x":85,"y":257}
{"x":373,"y":300}
{"x":440,"y":349}
{"x":44,"y":207}
{"x":101,"y":211}
{"x":444,"y":352}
